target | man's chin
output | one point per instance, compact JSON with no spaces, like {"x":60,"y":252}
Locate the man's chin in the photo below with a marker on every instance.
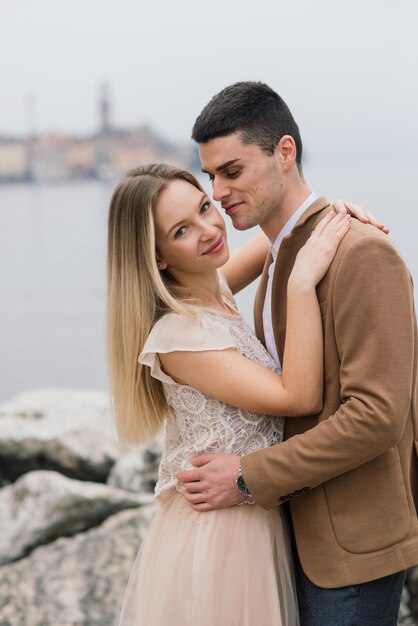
{"x":241,"y":224}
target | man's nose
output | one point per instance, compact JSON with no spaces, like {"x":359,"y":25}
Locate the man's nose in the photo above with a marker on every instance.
{"x":220,"y":189}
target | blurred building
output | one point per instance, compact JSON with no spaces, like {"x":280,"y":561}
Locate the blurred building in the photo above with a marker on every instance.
{"x":106,"y":154}
{"x":13,"y":160}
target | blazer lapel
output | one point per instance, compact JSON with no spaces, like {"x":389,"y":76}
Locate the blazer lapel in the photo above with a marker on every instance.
{"x":319,"y":204}
{"x":289,"y":248}
{"x":259,"y":301}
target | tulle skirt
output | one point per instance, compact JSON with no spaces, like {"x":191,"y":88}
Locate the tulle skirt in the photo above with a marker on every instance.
{"x":231,"y":567}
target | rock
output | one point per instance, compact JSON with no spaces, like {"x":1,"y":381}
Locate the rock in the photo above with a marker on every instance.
{"x":77,"y":581}
{"x":408,"y":612}
{"x":404,"y":617}
{"x":412,"y":586}
{"x":58,"y":429}
{"x":137,"y":469}
{"x":43,"y":505}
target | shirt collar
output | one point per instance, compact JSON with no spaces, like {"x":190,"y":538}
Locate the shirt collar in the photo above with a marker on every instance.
{"x":290,"y":224}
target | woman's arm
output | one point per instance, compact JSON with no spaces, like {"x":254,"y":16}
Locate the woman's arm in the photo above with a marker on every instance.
{"x":232,"y":378}
{"x":246,"y":263}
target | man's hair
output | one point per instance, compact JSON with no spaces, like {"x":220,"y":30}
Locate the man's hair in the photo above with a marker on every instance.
{"x":254,"y":110}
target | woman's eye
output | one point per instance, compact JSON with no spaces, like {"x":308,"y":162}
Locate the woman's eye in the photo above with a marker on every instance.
{"x":211,"y":178}
{"x":180,"y":232}
{"x":232,"y":174}
{"x":205,"y":207}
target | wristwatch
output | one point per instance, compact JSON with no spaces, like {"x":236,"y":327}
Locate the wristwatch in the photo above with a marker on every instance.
{"x":241,"y":484}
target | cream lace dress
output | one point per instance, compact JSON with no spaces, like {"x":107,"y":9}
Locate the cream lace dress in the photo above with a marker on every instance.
{"x":229,"y":567}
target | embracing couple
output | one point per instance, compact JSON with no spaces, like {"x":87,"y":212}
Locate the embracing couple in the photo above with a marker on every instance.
{"x":328,"y":523}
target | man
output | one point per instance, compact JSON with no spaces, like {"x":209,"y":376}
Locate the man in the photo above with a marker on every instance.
{"x":350,"y":473}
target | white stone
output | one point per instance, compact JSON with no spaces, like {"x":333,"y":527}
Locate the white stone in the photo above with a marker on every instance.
{"x":74,"y":581}
{"x":62,"y":429}
{"x":42,"y":505}
{"x":137,"y":469}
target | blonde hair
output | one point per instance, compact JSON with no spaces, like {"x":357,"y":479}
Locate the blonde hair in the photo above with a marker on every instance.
{"x":138,"y":294}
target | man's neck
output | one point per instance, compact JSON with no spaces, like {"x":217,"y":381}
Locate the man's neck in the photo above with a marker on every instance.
{"x":290,"y":203}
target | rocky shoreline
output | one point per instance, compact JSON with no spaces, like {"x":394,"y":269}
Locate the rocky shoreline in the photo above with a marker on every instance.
{"x":74,"y":506}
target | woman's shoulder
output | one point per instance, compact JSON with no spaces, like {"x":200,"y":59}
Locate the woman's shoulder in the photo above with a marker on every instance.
{"x":200,"y":331}
{"x":180,"y":333}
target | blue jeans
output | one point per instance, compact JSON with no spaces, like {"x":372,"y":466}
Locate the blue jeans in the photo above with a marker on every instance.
{"x":375,"y":603}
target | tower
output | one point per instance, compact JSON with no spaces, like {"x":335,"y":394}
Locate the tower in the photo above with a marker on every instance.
{"x":104,"y":108}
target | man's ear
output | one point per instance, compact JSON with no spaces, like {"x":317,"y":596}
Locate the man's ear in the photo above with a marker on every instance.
{"x":286,"y":151}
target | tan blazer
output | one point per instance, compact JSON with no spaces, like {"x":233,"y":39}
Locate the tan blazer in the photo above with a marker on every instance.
{"x":351,"y":472}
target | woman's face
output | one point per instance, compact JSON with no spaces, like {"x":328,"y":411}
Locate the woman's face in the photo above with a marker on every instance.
{"x":190,"y":233}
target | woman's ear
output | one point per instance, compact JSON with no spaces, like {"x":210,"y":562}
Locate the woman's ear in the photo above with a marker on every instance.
{"x":162,"y":265}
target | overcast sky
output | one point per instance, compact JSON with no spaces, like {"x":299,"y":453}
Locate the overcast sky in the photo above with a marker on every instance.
{"x":348,"y":70}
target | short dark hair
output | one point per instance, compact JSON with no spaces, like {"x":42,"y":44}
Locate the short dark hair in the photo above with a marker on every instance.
{"x":253,"y":109}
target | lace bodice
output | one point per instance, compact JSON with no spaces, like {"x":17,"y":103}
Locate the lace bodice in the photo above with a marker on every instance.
{"x":197,"y":423}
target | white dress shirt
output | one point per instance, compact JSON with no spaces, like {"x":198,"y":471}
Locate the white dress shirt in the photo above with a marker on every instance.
{"x":267,"y":321}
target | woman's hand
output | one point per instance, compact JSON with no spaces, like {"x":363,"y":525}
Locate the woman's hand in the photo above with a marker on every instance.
{"x":315,"y":257}
{"x":361,"y":214}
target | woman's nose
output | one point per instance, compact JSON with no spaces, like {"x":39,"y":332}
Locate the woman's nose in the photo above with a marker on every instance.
{"x":209,"y":230}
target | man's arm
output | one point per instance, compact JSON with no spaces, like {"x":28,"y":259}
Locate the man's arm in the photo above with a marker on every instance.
{"x":372,"y":306}
{"x":373,"y":317}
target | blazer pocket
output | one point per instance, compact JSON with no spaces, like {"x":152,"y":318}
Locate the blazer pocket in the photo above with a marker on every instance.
{"x":369,"y":506}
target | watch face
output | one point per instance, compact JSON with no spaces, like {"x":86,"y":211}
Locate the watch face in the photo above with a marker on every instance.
{"x":242,"y":486}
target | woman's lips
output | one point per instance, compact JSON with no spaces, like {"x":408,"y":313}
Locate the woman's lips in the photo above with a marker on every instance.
{"x":217,"y":247}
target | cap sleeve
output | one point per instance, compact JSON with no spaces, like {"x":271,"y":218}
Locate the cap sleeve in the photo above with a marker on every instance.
{"x":174,"y":333}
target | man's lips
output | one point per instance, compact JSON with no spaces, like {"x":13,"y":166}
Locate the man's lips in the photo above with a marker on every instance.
{"x":217,"y":247}
{"x":230,"y":208}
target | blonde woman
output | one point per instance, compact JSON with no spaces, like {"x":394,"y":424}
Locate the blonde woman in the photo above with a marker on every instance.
{"x":182,"y":358}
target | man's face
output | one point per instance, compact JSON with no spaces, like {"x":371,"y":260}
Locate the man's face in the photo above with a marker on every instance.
{"x":248,"y":183}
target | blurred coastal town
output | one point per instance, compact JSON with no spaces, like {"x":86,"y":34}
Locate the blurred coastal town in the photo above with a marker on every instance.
{"x":104,"y":155}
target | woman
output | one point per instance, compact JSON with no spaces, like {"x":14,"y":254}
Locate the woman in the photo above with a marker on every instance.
{"x":166,"y":298}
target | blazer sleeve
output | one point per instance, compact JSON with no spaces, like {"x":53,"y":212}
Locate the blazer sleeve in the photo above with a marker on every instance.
{"x":373,"y":316}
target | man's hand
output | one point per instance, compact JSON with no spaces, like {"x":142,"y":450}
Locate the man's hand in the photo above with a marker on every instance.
{"x":212,"y":485}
